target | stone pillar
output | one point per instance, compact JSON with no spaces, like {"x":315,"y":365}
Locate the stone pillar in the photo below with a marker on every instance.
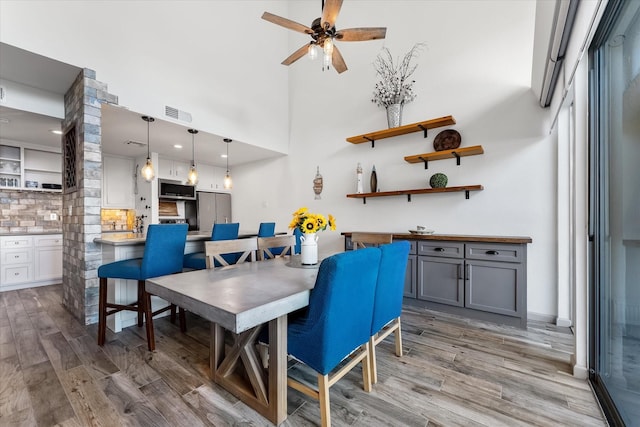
{"x":82,"y":194}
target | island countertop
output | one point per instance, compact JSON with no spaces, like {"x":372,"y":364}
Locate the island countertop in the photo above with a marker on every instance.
{"x":125,"y":239}
{"x":452,"y":237}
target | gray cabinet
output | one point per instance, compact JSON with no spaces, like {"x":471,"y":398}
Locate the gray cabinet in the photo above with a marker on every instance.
{"x":480,"y":277}
{"x":481,"y":280}
{"x":410,"y":280}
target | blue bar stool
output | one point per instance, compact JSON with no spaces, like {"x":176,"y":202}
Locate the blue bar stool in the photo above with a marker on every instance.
{"x":163,"y":252}
{"x":267,"y":229}
{"x":227,"y":231}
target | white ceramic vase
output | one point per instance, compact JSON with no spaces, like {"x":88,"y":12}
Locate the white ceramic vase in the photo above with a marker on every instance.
{"x":309,"y":249}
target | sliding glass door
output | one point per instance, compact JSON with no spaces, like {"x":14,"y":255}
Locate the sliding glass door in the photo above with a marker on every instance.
{"x":615,"y":212}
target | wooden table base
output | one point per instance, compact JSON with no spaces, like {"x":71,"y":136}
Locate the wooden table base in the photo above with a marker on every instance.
{"x":239,"y":368}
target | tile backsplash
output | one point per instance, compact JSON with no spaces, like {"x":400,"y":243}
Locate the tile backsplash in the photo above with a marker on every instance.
{"x":30,"y":211}
{"x":117,"y":219}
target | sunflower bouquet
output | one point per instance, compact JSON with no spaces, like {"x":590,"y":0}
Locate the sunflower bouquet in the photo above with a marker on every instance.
{"x":308,"y":222}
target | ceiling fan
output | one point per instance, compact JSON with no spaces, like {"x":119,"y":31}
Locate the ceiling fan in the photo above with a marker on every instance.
{"x":323,"y":33}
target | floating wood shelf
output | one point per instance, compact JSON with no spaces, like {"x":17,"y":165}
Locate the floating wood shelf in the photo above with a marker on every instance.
{"x":445,"y":154}
{"x":408,"y":193}
{"x":402,"y":130}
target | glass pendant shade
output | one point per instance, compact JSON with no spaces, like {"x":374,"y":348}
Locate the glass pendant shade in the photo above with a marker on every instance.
{"x":312,"y":52}
{"x":328,"y":47}
{"x":147,"y":171}
{"x":192,"y":177}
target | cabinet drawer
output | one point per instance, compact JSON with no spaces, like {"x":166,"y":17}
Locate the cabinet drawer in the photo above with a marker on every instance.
{"x":16,"y":256}
{"x":441,"y":249}
{"x":54,"y":240}
{"x":17,"y":274}
{"x":9,"y":242}
{"x":494,"y":252}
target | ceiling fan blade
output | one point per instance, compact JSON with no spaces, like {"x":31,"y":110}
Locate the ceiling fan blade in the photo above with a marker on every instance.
{"x":361,"y":34}
{"x":297,"y":55}
{"x":287,"y":23}
{"x":330,"y":13}
{"x":338,"y":61}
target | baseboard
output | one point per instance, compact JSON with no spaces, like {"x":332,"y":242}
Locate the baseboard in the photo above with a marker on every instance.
{"x":580,"y":372}
{"x":567,"y":323}
{"x":538,"y":317}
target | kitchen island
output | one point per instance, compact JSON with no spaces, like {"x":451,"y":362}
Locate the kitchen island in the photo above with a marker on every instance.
{"x":120,"y":246}
{"x":482,"y":277}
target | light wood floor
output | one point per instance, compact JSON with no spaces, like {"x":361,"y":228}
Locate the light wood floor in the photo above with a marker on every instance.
{"x":455,"y":373}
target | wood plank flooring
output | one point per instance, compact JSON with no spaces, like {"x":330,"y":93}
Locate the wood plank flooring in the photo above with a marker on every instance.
{"x":455,"y":372}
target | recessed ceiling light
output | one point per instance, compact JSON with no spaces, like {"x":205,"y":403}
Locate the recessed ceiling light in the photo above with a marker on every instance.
{"x":224,"y":156}
{"x":177,"y":146}
{"x":57,"y":132}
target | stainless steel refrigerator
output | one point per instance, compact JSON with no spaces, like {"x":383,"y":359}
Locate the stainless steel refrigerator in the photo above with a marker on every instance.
{"x":212,"y":208}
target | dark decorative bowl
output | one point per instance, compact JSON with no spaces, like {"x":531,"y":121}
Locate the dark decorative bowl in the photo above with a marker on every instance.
{"x":438,"y":180}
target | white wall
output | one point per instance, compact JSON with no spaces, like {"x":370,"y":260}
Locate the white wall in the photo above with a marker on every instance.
{"x":213,"y":59}
{"x":477,"y":67}
{"x":221,"y":62}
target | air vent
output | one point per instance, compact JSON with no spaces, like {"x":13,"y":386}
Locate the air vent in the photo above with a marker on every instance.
{"x":174,"y":113}
{"x":138,"y":143}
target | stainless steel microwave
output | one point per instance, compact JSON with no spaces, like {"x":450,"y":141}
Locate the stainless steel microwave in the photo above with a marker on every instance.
{"x":174,"y":190}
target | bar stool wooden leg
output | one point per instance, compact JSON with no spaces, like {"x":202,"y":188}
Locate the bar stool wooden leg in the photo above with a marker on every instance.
{"x":102,"y":311}
{"x":140,"y":302}
{"x":148,"y":314}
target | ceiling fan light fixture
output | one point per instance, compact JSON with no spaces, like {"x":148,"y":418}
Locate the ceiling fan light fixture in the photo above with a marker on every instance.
{"x":312,"y":51}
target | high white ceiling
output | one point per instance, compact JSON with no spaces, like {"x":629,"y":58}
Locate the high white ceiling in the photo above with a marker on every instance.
{"x":119,"y":125}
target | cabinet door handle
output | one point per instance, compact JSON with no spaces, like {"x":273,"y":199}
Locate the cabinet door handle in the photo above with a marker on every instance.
{"x":438,"y":249}
{"x":459,"y":271}
{"x":467,"y":275}
{"x":16,"y":256}
{"x":492,"y":252}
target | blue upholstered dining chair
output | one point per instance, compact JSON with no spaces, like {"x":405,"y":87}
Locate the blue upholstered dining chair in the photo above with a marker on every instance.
{"x":163,"y":251}
{"x":388,"y":299}
{"x":337,"y":323}
{"x":227,"y":231}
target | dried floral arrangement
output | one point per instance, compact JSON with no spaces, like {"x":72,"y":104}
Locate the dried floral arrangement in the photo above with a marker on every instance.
{"x":395,"y":85}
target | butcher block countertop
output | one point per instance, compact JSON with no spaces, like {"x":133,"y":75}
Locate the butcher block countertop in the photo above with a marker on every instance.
{"x":452,"y":237}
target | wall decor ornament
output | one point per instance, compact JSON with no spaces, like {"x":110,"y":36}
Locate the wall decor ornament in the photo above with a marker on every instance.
{"x":359,"y":185}
{"x":373,"y":181}
{"x":438,"y":180}
{"x":395,"y":87}
{"x":310,"y":224}
{"x":317,"y":184}
{"x":448,"y":139}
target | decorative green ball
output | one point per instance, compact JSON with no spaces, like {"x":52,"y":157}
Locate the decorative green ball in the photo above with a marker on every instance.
{"x":438,"y":180}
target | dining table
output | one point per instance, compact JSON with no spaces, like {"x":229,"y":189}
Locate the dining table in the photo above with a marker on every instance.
{"x":243,"y":299}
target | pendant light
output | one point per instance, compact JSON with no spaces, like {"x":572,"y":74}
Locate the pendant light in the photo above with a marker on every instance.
{"x":147,"y":171}
{"x":193,"y":173}
{"x":228,"y":184}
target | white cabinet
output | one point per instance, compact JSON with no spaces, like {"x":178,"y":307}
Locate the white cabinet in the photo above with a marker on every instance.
{"x":210,"y":178}
{"x":47,"y":257}
{"x":42,"y":167}
{"x":27,"y":167}
{"x":117,"y":182}
{"x":173,"y":169}
{"x":30,"y":260}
